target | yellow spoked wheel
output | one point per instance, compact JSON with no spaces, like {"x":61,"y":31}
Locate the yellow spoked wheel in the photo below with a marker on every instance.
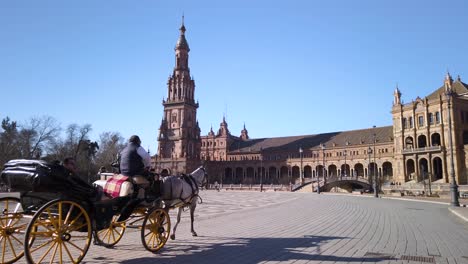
{"x":110,"y":236}
{"x":12,"y":227}
{"x":59,"y":232}
{"x":155,"y":229}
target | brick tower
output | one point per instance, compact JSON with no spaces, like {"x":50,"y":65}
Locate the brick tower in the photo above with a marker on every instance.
{"x":179,"y":134}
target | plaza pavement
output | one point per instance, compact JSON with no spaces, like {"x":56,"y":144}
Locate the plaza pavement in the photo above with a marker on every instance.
{"x":284,"y":227}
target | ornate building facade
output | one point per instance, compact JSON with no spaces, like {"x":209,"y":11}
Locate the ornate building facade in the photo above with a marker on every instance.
{"x":419,"y":145}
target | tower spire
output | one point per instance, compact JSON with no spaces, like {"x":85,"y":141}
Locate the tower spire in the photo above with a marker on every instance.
{"x":448,"y":81}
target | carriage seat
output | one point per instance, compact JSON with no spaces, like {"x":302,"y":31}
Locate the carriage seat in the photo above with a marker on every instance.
{"x":119,"y":185}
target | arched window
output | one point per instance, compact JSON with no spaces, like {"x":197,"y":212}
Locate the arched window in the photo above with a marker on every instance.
{"x":465,"y":137}
{"x":422,"y":142}
{"x":409,"y":142}
{"x":435,"y":139}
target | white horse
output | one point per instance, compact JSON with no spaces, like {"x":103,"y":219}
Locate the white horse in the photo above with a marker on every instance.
{"x":182,"y":192}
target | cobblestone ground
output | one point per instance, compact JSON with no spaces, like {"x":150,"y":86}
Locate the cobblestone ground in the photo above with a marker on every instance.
{"x":254,"y":227}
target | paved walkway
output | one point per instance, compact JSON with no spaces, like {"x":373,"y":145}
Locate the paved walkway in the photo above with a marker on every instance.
{"x":283,"y":227}
{"x":253,"y":227}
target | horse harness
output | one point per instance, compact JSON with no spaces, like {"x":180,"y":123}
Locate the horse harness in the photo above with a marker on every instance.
{"x":193,"y":185}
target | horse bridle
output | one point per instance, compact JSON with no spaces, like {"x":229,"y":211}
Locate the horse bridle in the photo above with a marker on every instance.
{"x":204,"y":182}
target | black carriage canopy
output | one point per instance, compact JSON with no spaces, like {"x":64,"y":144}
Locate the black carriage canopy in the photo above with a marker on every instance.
{"x":40,"y":176}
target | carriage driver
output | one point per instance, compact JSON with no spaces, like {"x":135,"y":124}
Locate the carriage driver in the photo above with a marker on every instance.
{"x":134,"y":160}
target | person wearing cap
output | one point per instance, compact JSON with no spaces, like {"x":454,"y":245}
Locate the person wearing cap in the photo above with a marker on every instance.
{"x":134,"y":160}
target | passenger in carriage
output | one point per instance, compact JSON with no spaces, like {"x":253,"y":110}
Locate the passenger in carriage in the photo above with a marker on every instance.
{"x":134,"y":159}
{"x":70,"y":164}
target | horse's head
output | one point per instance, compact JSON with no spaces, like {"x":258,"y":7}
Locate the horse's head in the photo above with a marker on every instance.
{"x":200,"y":176}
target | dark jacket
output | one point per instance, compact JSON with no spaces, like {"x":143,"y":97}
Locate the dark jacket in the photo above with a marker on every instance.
{"x":131,"y":163}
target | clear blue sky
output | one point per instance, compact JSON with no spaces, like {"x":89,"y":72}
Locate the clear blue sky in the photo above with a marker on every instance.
{"x":283,"y":67}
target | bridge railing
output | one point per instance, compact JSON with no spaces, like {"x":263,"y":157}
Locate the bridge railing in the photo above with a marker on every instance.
{"x":251,"y":187}
{"x":347,"y":178}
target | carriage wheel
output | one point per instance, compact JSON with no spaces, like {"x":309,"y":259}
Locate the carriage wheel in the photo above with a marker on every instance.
{"x":60,"y":231}
{"x":155,"y":230}
{"x":12,"y":226}
{"x":110,"y":236}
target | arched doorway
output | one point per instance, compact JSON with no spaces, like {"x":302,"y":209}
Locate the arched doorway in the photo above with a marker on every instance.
{"x":410,"y":170}
{"x":423,"y":169}
{"x":284,"y":178}
{"x":307,"y":171}
{"x":372,"y":169}
{"x":387,"y":171}
{"x":358,"y":170}
{"x":261,"y":174}
{"x":332,"y":171}
{"x":437,"y":168}
{"x":272,"y":176}
{"x":250,"y":176}
{"x":239,"y":176}
{"x":320,"y":171}
{"x":295,"y":174}
{"x":227,"y":176}
{"x":345,"y":170}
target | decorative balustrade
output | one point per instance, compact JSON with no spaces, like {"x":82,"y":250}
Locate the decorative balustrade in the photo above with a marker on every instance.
{"x":422,"y":150}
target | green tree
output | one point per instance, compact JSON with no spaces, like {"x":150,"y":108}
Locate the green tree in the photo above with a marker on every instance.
{"x":9,"y":141}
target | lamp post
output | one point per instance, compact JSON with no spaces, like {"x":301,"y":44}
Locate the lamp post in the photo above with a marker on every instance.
{"x":345,"y":165}
{"x":261,"y":169}
{"x":301,"y":171}
{"x":369,"y":174}
{"x":323,"y":162}
{"x":374,"y":170}
{"x":453,"y":184}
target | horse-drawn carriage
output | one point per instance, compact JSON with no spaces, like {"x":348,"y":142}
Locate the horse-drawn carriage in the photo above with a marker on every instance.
{"x":57,"y":214}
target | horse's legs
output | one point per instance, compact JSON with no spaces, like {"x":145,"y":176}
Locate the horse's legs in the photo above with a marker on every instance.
{"x":192,"y":211}
{"x":179,"y":212}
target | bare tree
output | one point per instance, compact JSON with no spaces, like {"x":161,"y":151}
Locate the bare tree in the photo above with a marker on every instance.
{"x":111,"y":143}
{"x":36,"y":134}
{"x":71,"y":145}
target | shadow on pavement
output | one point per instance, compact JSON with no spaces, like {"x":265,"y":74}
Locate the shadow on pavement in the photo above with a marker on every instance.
{"x":248,"y":250}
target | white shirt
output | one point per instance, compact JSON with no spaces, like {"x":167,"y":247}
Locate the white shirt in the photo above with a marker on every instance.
{"x":144,"y":156}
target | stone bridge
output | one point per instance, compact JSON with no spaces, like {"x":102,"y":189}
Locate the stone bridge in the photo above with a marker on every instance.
{"x":346,"y":183}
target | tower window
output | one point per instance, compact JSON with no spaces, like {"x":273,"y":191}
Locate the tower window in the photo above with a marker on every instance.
{"x":437,"y":117}
{"x":174,"y":118}
{"x":421,"y":121}
{"x":410,"y":121}
{"x":431,"y":118}
{"x":404,"y":123}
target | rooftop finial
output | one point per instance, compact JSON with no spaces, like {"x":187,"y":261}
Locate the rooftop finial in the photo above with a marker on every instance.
{"x":182,"y":27}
